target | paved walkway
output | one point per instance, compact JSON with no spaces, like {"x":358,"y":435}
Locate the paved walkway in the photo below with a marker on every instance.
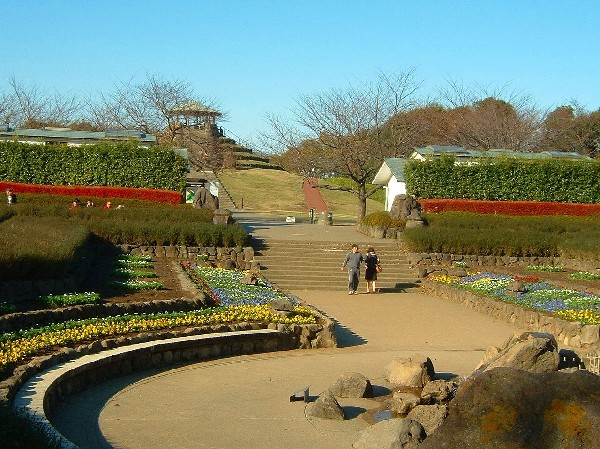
{"x":243,"y":402}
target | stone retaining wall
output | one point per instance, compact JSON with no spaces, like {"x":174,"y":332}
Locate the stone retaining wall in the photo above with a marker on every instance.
{"x":568,"y":333}
{"x":43,"y":391}
{"x":441,"y":259}
{"x":234,"y":257}
{"x":292,"y":336}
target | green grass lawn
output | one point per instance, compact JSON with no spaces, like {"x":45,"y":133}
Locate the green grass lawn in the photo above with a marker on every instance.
{"x":277,"y":191}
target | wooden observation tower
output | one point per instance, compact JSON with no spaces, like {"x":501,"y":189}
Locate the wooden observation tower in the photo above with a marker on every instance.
{"x":195,"y":115}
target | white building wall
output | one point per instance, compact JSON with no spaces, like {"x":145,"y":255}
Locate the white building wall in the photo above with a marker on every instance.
{"x":394,"y":187}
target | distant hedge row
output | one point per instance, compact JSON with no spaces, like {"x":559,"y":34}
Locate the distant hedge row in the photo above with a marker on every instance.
{"x":103,"y":164}
{"x":550,"y":180}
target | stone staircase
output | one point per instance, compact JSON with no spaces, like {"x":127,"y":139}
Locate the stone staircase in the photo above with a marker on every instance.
{"x":225,"y":200}
{"x":300,"y":265}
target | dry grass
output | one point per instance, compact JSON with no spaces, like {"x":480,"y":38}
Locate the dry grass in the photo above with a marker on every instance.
{"x":265,"y":190}
{"x":277,"y":191}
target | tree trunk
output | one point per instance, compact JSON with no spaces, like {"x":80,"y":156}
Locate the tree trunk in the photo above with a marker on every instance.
{"x":362,"y":202}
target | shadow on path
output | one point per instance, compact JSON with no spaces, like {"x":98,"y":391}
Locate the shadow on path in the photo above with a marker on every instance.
{"x":346,"y":337}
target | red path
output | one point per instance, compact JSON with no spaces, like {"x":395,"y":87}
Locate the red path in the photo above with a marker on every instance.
{"x":314,"y":200}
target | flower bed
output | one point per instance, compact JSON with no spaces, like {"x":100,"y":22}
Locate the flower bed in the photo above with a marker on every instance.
{"x":539,"y":295}
{"x":225,"y":288}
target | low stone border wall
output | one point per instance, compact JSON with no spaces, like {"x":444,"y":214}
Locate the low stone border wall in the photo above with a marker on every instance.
{"x":440,"y":259}
{"x":229,"y":257}
{"x":42,"y":392}
{"x":569,"y":333}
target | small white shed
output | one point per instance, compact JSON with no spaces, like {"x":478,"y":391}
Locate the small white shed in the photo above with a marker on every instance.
{"x":391,"y":177}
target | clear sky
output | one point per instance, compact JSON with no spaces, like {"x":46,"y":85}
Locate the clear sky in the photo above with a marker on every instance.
{"x":257,"y":56}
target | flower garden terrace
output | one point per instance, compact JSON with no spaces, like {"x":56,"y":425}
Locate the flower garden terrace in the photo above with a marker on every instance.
{"x":233,"y":302}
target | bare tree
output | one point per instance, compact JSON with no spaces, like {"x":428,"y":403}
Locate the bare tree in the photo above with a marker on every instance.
{"x":484,"y":117}
{"x":34,"y":108}
{"x":347,"y":125}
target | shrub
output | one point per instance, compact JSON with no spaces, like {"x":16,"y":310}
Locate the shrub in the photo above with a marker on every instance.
{"x":43,"y":248}
{"x":546,"y":180}
{"x":382,"y":218}
{"x":123,"y":164}
{"x":465,"y":233}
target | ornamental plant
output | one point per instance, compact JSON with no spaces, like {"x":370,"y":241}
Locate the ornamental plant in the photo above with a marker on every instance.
{"x":584,"y":275}
{"x":15,"y":347}
{"x":132,"y":273}
{"x":539,"y":295}
{"x":547,"y":268}
{"x":70,"y":299}
{"x":136,"y":285}
{"x":225,"y":288}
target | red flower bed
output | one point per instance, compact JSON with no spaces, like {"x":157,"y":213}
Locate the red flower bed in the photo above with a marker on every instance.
{"x":157,"y":196}
{"x":509,"y":207}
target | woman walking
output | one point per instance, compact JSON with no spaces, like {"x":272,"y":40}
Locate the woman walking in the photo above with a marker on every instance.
{"x":372,"y":264}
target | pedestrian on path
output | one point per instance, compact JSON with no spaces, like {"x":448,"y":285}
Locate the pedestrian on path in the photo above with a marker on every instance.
{"x":353,"y":260}
{"x":371,"y":264}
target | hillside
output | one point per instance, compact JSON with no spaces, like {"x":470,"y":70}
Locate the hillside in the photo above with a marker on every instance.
{"x":277,"y":191}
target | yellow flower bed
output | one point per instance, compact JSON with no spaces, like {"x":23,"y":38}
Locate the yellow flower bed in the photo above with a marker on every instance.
{"x":32,"y":343}
{"x":588,"y":316}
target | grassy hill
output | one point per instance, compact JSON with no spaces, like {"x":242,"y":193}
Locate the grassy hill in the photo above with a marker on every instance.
{"x":280,"y":192}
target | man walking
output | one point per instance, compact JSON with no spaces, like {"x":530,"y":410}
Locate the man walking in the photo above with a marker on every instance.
{"x":352,"y":261}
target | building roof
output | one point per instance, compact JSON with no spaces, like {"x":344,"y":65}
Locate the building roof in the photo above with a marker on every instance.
{"x":194,"y":108}
{"x":67,"y":135}
{"x":393,"y":166}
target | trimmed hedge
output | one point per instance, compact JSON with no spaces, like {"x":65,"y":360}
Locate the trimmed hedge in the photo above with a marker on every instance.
{"x":509,"y":207}
{"x":117,"y":165}
{"x":132,"y":193}
{"x":546,"y":180}
{"x":502,"y":235}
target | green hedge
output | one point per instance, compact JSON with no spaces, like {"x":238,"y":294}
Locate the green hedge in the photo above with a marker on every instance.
{"x":503,"y":235}
{"x":548,"y":180}
{"x":117,"y":165}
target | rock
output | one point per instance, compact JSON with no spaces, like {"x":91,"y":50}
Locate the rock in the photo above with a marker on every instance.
{"x":222,"y":217}
{"x":414,"y":371}
{"x":282,"y":304}
{"x":249,"y":279}
{"x":398,"y":433}
{"x":516,"y":286}
{"x":514,"y":409}
{"x":325,"y":407}
{"x":404,"y":402}
{"x":457,"y":271}
{"x":352,"y":385}
{"x":429,"y":416}
{"x":531,"y":351}
{"x":228,"y":264}
{"x":438,"y":391}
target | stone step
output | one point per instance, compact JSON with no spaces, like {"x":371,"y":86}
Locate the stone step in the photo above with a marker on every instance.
{"x":316,"y":265}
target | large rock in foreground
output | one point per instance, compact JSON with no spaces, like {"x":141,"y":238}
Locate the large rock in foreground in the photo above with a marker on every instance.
{"x":530,"y":351}
{"x":399,"y":433}
{"x":514,"y":409}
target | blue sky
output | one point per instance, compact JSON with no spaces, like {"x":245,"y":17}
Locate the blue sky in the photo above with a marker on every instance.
{"x":257,"y":57}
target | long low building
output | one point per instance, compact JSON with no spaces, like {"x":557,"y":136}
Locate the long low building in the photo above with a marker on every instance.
{"x":51,"y":135}
{"x":391,"y":173}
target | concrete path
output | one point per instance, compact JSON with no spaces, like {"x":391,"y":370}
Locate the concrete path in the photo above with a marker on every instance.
{"x":243,"y":402}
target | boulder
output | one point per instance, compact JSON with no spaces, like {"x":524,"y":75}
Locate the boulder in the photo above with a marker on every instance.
{"x":429,"y":416}
{"x":414,"y":371}
{"x":282,"y":304}
{"x":530,"y":351}
{"x":403,"y":402}
{"x":438,"y":391}
{"x":509,"y":409}
{"x":352,"y":385}
{"x":398,"y":433}
{"x":326,"y":407}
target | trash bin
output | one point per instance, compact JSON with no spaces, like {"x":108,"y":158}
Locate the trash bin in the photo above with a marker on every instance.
{"x":326,"y":218}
